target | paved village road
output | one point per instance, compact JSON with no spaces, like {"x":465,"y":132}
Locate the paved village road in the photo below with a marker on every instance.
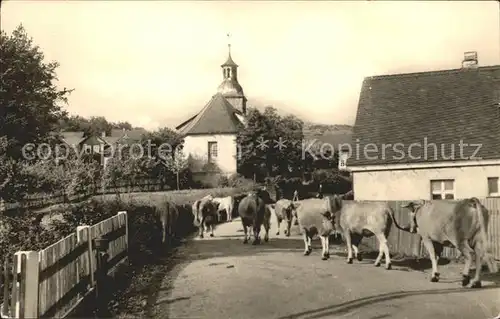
{"x":222,"y":278}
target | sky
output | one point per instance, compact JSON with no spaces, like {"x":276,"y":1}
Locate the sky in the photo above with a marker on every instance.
{"x":156,"y":63}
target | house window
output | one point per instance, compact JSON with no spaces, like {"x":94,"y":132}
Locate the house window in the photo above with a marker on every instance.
{"x":443,"y":189}
{"x":97,"y":148}
{"x":87,"y":148}
{"x":212,"y":151}
{"x":493,"y":186}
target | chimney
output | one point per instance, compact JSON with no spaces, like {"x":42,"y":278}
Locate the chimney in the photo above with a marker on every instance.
{"x":103,"y":134}
{"x":470,"y":60}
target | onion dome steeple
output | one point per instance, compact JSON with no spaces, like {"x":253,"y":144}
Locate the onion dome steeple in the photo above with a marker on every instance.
{"x":230,"y":86}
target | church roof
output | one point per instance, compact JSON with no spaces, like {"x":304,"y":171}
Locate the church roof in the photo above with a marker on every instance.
{"x":229,"y":61}
{"x":217,"y":117}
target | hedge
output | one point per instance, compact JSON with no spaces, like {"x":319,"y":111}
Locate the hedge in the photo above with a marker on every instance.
{"x":26,"y":232}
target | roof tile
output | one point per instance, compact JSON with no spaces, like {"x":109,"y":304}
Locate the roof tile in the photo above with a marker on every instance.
{"x":441,"y":107}
{"x":217,"y":117}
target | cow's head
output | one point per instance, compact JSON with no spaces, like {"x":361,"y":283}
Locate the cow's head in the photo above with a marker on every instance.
{"x":413,"y":208}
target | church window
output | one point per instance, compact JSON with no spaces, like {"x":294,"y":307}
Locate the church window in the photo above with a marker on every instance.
{"x":212,"y":151}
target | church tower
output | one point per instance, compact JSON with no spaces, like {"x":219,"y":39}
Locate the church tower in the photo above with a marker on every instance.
{"x":230,"y":88}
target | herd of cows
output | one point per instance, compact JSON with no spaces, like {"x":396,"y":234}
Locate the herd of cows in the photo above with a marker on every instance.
{"x":460,"y":224}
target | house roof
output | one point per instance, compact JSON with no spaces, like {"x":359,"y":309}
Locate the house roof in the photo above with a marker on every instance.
{"x":441,"y":107}
{"x":117,"y":135}
{"x":217,"y":117}
{"x":125,"y":136}
{"x":72,"y":138}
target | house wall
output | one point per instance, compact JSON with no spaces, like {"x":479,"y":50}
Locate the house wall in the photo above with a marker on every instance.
{"x":197,"y":146}
{"x":415,"y":183}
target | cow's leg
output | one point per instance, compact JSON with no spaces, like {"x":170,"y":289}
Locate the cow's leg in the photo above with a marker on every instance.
{"x":383,"y":246}
{"x":212,"y":228}
{"x":324,"y":247}
{"x":267,"y":226}
{"x":356,"y":251}
{"x":380,"y":254}
{"x":356,"y":240}
{"x":256,"y":234}
{"x":288,"y":227}
{"x":202,"y":222}
{"x":347,"y":236}
{"x":278,"y":223}
{"x":307,"y":246}
{"x":466,"y":251}
{"x":432,"y":254}
{"x":479,"y":252}
{"x":245,"y":231}
{"x":327,"y":245}
{"x":230,"y":213}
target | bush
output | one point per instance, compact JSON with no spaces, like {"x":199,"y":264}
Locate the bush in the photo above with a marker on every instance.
{"x":239,"y":181}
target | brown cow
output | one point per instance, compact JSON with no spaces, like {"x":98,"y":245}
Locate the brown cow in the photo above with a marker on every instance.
{"x":460,"y":224}
{"x":206,"y":214}
{"x":254,"y":213}
{"x":364,"y":219}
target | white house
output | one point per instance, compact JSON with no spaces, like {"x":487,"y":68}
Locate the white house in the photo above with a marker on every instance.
{"x":415,"y":122}
{"x":211,"y":134}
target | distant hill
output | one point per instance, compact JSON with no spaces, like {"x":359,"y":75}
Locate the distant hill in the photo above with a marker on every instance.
{"x":320,"y":129}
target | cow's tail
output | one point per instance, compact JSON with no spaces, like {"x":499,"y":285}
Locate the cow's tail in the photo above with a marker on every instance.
{"x":486,"y":252}
{"x":390,"y":212}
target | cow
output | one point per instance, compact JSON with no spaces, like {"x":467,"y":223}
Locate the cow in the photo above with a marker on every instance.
{"x":254,"y":213}
{"x":283,"y":210}
{"x":315,"y":218}
{"x":225,"y":203}
{"x":196,"y":206}
{"x":206,"y":214}
{"x":460,"y":224}
{"x":168,"y":219}
{"x":364,"y":219}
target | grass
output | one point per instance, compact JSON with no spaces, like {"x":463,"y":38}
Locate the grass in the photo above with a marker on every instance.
{"x":181,"y":197}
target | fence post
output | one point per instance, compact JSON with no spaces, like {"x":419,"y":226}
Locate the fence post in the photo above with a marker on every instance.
{"x":82,"y":234}
{"x":102,"y":293}
{"x":125,"y":217}
{"x":27,"y":303}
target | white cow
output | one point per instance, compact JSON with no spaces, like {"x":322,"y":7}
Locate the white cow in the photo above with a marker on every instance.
{"x":224,"y":203}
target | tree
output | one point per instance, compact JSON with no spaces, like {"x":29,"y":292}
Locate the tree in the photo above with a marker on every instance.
{"x":177,"y":163}
{"x":159,"y":146}
{"x":283,"y":151}
{"x":31,"y":102}
{"x":74,"y":123}
{"x":98,"y":125}
{"x":122,"y":125}
{"x":162,"y":141}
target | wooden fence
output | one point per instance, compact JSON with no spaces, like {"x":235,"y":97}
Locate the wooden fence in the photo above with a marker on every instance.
{"x":408,"y":244}
{"x":53,"y":282}
{"x":41,"y":200}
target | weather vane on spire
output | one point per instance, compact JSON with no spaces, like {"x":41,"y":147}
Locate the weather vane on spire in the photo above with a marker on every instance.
{"x":229,"y":42}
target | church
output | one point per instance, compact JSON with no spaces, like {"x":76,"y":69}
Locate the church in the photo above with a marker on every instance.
{"x":210,"y":135}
